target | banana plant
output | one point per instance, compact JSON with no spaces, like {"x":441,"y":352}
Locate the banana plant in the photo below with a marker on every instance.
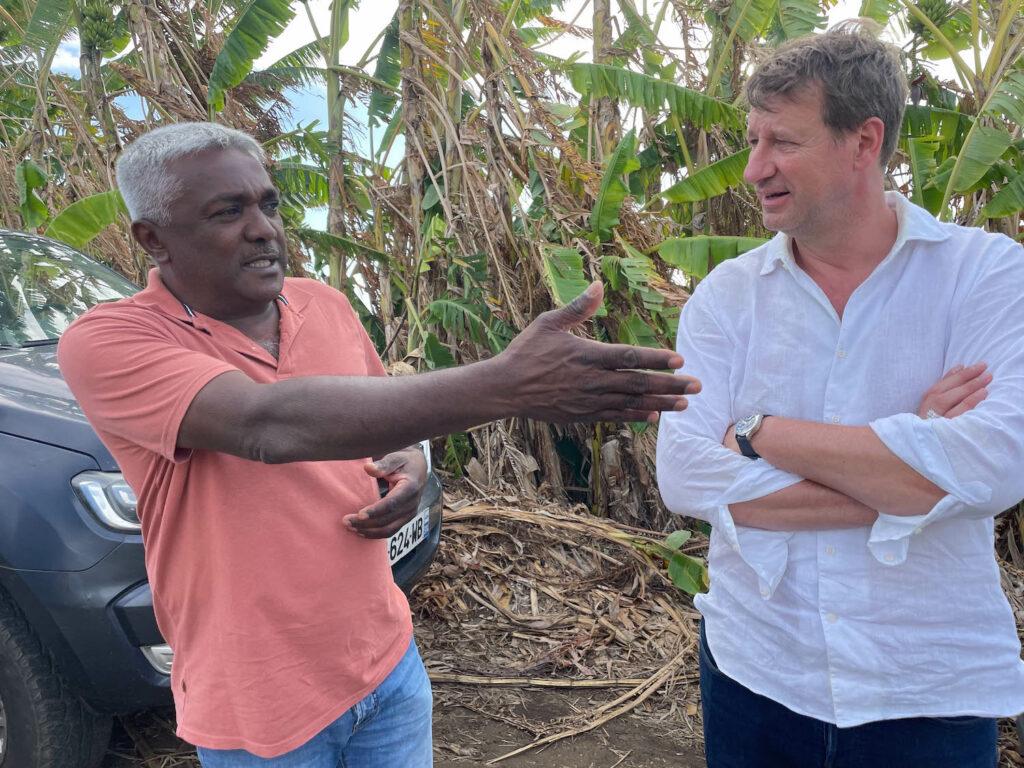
{"x":963,"y":150}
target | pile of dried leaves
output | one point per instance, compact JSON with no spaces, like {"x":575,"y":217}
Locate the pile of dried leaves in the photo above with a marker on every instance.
{"x":559,"y":599}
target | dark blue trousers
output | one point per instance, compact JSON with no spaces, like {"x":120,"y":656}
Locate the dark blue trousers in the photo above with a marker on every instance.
{"x":745,"y":730}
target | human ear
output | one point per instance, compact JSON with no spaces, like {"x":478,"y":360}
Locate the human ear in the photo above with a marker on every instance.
{"x":870,"y":137}
{"x":147,"y":235}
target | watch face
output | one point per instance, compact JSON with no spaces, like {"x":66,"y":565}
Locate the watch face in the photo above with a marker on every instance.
{"x":748,"y":423}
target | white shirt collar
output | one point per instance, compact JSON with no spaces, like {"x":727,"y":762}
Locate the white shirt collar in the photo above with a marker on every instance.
{"x":913,"y":224}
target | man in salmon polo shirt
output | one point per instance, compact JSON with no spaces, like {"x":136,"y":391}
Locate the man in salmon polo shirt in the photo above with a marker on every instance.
{"x":242,"y":407}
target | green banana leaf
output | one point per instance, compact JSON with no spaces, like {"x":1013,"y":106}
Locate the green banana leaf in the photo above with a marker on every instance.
{"x":1008,"y":99}
{"x":697,"y":255}
{"x":710,"y":181}
{"x":307,"y":55}
{"x":326,"y":240}
{"x":687,"y":572}
{"x":880,"y":10}
{"x":532,"y":36}
{"x":563,"y":271}
{"x":638,"y":29}
{"x":305,"y":184}
{"x":81,"y":221}
{"x":633,"y":330}
{"x":280,"y":78}
{"x":983,"y":144}
{"x":796,"y":18}
{"x":388,"y":70}
{"x":639,"y":272}
{"x":49,"y":23}
{"x":921,"y":151}
{"x":259,"y":23}
{"x":983,"y":147}
{"x":613,"y":191}
{"x":29,"y":177}
{"x":652,"y":94}
{"x":948,"y":126}
{"x":436,"y":354}
{"x":750,"y":18}
{"x":1006,"y":201}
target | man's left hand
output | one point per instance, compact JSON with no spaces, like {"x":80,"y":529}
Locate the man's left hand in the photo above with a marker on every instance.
{"x":405,"y":472}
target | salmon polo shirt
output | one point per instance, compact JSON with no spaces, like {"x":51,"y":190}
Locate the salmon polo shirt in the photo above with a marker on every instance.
{"x":280,"y":618}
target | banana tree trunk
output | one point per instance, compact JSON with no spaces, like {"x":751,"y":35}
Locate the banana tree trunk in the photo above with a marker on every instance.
{"x":337,"y":203}
{"x":604,"y":111}
{"x":413,"y":118}
{"x":96,"y":101}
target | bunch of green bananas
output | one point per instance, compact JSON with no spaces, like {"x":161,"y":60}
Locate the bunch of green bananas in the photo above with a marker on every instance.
{"x":937,"y":11}
{"x":97,"y":28}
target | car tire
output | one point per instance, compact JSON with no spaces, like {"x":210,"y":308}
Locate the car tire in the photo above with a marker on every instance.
{"x":46,"y":725}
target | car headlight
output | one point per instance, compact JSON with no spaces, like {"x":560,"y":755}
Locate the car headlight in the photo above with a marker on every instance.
{"x":110,"y":498}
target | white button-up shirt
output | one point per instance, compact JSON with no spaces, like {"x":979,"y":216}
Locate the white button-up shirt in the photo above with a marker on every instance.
{"x":905,"y":618}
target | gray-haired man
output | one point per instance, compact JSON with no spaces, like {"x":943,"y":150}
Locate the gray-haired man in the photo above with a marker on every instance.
{"x":855,"y":616}
{"x":293,"y":646}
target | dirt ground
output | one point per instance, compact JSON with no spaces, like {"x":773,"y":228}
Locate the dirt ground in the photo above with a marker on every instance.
{"x":462,"y":737}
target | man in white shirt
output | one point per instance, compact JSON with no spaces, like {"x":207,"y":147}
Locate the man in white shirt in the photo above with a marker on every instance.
{"x":862,"y":423}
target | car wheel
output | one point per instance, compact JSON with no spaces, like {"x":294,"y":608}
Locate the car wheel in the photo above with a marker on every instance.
{"x":42,"y":723}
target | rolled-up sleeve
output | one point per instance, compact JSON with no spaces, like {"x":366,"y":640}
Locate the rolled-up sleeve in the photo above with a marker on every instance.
{"x":977,"y":458}
{"x":697,"y":475}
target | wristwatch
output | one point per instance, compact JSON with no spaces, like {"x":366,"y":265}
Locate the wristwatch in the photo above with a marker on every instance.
{"x":746,"y":428}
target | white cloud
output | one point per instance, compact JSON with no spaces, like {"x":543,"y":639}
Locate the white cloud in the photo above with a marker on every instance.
{"x":65,"y":60}
{"x":365,"y":23}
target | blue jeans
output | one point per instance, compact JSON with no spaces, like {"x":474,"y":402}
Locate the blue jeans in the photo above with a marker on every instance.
{"x":390,"y":727}
{"x":745,"y":730}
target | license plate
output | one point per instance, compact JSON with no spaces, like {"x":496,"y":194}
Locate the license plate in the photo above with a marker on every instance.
{"x":408,"y":536}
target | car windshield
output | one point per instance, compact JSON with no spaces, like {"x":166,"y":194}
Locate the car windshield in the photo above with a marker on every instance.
{"x":45,"y":285}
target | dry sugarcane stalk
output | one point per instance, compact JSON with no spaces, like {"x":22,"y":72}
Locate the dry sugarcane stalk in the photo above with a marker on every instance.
{"x":639,"y":694}
{"x":534,"y":682}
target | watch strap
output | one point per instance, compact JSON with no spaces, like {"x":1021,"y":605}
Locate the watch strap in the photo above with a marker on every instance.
{"x":746,"y":448}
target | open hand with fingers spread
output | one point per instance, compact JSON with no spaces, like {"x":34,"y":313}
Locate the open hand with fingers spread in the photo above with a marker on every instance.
{"x":405,"y":473}
{"x":960,"y":390}
{"x":555,"y":376}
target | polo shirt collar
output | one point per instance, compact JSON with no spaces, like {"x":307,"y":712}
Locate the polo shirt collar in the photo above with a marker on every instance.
{"x":913,"y":224}
{"x":158,"y":296}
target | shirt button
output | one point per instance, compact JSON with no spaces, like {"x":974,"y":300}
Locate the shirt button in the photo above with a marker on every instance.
{"x":831,"y":618}
{"x":890,"y":558}
{"x":835,"y":419}
{"x":830,"y":550}
{"x":841,"y":354}
{"x":765,"y":592}
{"x":917,"y":531}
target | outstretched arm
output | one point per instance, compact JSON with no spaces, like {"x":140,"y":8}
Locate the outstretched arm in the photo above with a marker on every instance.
{"x":546,"y":374}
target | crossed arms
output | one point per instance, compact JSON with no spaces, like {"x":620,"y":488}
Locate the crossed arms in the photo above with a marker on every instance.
{"x":849,"y":471}
{"x":901,"y":470}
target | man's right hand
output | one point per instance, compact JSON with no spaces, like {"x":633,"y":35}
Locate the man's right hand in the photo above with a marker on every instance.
{"x":957,"y":392}
{"x":555,"y":376}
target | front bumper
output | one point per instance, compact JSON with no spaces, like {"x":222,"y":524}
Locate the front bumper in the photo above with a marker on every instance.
{"x":80,"y":618}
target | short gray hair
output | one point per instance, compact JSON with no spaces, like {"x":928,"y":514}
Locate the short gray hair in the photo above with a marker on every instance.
{"x":142,"y":174}
{"x":860,"y":77}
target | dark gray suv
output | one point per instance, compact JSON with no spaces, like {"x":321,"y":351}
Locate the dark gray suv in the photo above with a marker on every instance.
{"x":78,"y":639}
